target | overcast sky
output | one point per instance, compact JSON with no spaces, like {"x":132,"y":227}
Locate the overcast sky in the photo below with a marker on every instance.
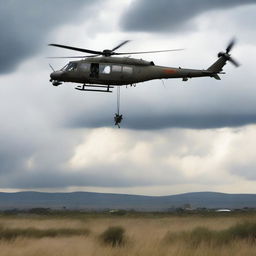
{"x":176,"y":136}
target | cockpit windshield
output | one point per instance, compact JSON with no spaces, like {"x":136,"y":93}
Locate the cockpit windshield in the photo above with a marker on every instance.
{"x":71,"y":66}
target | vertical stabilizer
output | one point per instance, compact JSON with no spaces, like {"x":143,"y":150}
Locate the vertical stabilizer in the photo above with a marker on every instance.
{"x":217,"y":66}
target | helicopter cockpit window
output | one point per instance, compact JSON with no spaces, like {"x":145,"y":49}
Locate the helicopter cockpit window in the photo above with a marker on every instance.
{"x":105,"y":69}
{"x":71,"y":66}
{"x":64,"y":68}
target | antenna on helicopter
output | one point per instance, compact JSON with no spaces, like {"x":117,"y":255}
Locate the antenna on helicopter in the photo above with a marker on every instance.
{"x":51,"y":67}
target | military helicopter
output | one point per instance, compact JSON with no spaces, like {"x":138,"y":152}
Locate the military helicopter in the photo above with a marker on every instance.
{"x":101,"y":71}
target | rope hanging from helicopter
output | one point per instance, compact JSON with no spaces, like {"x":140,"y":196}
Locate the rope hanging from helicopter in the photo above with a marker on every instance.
{"x":118,"y":118}
{"x":118,"y":100}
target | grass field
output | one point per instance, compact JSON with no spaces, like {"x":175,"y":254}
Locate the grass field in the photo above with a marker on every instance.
{"x":143,"y":235}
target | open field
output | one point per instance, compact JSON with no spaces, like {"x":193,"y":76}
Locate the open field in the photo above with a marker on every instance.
{"x":144,"y":235}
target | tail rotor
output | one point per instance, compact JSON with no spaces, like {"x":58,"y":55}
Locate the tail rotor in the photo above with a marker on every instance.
{"x":227,"y":54}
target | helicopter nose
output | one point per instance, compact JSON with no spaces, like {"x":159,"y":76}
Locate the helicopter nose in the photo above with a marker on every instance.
{"x":56,"y":75}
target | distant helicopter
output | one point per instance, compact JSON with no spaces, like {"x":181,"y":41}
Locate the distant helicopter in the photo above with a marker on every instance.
{"x":100,"y":72}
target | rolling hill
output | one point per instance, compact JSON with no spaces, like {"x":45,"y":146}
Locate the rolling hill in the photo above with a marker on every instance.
{"x":101,"y":201}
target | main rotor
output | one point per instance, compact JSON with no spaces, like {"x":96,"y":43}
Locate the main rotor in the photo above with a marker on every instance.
{"x":106,"y":52}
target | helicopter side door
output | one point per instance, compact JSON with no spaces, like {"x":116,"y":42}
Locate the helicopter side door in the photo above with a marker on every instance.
{"x":94,"y":70}
{"x":83,"y":71}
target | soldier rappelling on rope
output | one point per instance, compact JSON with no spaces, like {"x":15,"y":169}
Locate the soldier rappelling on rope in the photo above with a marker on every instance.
{"x":118,"y":118}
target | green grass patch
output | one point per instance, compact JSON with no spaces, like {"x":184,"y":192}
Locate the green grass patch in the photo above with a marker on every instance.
{"x":202,"y":235}
{"x":9,"y":234}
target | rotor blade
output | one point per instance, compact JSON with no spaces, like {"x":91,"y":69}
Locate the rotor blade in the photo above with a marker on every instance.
{"x":92,"y":56}
{"x":74,"y":57}
{"x":128,"y":53}
{"x":118,"y":46}
{"x":235,"y":63}
{"x":76,"y":49}
{"x":230,"y":46}
{"x":68,"y":57}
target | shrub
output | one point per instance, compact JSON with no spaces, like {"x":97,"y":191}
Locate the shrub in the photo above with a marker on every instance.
{"x":113,"y":236}
{"x":245,"y":230}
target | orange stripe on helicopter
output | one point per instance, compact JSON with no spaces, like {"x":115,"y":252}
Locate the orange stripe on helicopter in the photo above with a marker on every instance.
{"x":170,"y":71}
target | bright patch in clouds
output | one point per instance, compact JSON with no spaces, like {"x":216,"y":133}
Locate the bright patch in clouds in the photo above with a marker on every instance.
{"x":170,"y":156}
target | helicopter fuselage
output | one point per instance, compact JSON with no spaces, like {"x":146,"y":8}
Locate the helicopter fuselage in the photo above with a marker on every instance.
{"x":118,"y":71}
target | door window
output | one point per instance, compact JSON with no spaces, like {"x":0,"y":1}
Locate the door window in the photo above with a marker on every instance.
{"x":116,"y":68}
{"x":127,"y":70}
{"x":105,"y":69}
{"x":84,"y":66}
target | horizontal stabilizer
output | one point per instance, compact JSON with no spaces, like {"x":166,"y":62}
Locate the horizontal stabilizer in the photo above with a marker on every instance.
{"x":216,"y":76}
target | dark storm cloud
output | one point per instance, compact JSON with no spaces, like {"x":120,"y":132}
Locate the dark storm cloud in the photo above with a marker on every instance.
{"x":60,"y":179}
{"x":24,"y":26}
{"x":33,"y":157}
{"x":167,"y":120}
{"x":14,"y":151}
{"x":170,"y":15}
{"x":55,"y":176}
{"x":246,"y":170}
{"x":192,"y":121}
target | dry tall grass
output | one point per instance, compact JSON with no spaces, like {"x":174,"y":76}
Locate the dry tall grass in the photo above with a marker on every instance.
{"x":144,"y":236}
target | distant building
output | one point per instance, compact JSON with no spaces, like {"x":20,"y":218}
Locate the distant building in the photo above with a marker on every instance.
{"x":113,"y":211}
{"x":223,"y":210}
